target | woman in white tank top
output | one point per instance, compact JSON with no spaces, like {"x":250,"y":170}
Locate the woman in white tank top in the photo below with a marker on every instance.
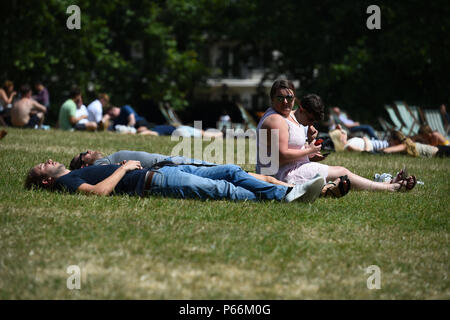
{"x":294,"y":150}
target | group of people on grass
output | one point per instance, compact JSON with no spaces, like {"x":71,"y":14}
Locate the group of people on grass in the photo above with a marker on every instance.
{"x":300,"y":175}
{"x":23,"y":110}
{"x":101,"y":115}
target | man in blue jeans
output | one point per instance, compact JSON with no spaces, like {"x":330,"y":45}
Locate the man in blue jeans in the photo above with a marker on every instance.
{"x":148,"y":160}
{"x":355,"y":126}
{"x":180,"y":181}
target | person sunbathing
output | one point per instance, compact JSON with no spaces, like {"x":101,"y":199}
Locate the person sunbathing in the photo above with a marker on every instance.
{"x":401,"y":144}
{"x":427,"y":136}
{"x":180,"y":181}
{"x":149,"y":160}
{"x":357,"y":144}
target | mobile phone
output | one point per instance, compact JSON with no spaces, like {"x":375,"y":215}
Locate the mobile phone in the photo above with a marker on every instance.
{"x":318,"y":141}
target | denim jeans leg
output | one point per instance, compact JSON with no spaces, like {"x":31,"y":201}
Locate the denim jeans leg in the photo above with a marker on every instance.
{"x":184,"y":160}
{"x":238,"y":177}
{"x":366,"y":129}
{"x":173,"y":182}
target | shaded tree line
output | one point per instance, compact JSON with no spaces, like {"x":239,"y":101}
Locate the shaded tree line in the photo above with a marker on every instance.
{"x":144,"y":52}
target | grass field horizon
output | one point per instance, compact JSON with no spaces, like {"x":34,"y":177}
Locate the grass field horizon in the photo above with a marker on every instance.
{"x":161,"y":248}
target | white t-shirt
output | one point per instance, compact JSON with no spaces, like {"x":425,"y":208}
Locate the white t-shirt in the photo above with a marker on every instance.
{"x":80,"y":112}
{"x":95,"y":111}
{"x":357,"y":143}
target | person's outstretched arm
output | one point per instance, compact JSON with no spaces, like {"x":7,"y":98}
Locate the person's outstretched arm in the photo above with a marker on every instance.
{"x":395,"y":149}
{"x":107,"y":186}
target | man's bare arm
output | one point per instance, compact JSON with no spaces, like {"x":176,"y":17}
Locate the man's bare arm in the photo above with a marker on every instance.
{"x":131,"y":120}
{"x":39,"y":107}
{"x":107,"y":186}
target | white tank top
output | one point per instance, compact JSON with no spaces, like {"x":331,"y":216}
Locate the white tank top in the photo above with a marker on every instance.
{"x":297,"y":140}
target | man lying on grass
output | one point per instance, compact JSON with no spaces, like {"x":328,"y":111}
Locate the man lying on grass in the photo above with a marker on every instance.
{"x":148,"y":160}
{"x":179,"y":181}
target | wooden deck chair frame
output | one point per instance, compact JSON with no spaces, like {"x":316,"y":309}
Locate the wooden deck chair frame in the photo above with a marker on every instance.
{"x":395,"y":118}
{"x":386,"y":126}
{"x":170,"y":115}
{"x":409,"y":121}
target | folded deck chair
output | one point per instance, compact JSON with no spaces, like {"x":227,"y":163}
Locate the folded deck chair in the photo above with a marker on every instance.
{"x":434,"y":120}
{"x":249,"y":121}
{"x":416,"y":113}
{"x":398,"y":125}
{"x":173,"y":116}
{"x":166,"y":115}
{"x":386,"y":126}
{"x":410,"y":122}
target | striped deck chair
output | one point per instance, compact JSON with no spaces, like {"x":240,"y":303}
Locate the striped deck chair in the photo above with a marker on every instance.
{"x":416,"y":113}
{"x":410,"y":122}
{"x":434,"y":120}
{"x":398,"y":125}
{"x":387,"y":128}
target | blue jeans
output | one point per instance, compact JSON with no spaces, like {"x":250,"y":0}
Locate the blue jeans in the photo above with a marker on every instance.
{"x":218,"y":182}
{"x":366,"y":129}
{"x":147,"y":159}
{"x":184,"y":160}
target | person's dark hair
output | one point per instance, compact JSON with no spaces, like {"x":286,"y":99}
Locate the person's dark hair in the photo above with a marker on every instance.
{"x":314,"y":105}
{"x":33,"y":179}
{"x":24,"y":89}
{"x":425,"y":129}
{"x":74,"y":92}
{"x":7,"y":83}
{"x":397,"y":136}
{"x":76,"y":163}
{"x":285,"y":84}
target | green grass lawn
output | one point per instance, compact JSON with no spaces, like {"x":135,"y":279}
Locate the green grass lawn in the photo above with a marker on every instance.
{"x":156,"y":248}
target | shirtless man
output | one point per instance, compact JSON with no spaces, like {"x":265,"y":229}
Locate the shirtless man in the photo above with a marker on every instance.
{"x":27,"y":113}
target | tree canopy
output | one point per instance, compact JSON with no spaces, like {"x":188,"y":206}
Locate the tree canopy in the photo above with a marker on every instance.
{"x":156,"y":50}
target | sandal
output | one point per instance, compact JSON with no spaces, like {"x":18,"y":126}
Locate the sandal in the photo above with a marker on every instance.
{"x":401,"y":175}
{"x":343,"y":181}
{"x":407,"y":184}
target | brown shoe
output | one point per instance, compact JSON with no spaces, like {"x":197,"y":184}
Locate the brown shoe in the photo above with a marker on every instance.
{"x":3,"y":133}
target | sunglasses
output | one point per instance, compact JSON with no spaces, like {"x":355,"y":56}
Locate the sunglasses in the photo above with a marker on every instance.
{"x":289,"y":98}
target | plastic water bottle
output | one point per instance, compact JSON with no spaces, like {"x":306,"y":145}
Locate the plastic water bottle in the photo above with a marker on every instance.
{"x":384,"y":177}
